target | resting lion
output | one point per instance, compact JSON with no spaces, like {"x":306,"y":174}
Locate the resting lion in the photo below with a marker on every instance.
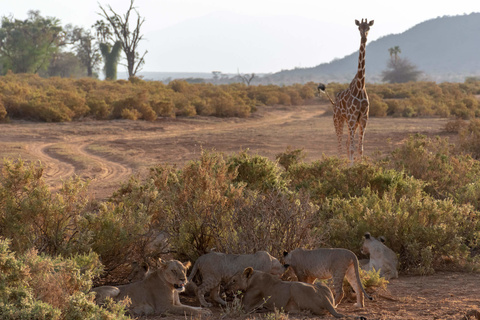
{"x":381,"y":257}
{"x":215,"y":268}
{"x":265,"y":290}
{"x":326,"y":263}
{"x":156,"y":294}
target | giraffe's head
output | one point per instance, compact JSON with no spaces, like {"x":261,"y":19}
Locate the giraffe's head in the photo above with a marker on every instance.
{"x":364,"y":27}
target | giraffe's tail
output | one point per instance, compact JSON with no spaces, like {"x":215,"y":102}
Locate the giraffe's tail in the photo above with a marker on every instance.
{"x":321,"y":88}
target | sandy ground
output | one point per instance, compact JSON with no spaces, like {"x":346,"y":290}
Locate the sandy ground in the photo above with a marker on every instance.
{"x":109,"y":152}
{"x":443,"y":296}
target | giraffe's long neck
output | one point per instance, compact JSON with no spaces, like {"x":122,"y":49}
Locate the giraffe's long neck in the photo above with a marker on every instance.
{"x":359,"y":80}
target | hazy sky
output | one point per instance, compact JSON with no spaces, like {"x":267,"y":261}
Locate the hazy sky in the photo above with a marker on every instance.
{"x":337,"y":38}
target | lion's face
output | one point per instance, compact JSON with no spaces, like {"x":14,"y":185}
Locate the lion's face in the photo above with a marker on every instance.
{"x":239,"y":281}
{"x":370,"y":244}
{"x":176,"y":273}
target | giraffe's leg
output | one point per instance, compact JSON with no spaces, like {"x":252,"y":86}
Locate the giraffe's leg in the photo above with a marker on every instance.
{"x":338,"y":123}
{"x":351,"y":140}
{"x":361,"y":135}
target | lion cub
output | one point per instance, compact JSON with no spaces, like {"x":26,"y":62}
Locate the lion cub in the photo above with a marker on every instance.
{"x":381,"y":257}
{"x":325,"y":263}
{"x":266,"y":290}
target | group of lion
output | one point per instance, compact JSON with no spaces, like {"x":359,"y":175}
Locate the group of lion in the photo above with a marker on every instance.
{"x":258,"y":275}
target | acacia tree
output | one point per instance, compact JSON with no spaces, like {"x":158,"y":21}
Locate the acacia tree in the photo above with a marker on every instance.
{"x":129,"y":39}
{"x":27,"y":46}
{"x":246,"y":78}
{"x":399,"y":70}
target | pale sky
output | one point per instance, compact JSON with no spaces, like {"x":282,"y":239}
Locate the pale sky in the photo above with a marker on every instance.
{"x":306,"y":44}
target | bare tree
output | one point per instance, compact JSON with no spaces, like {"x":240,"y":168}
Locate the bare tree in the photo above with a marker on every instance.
{"x":129,"y":39}
{"x":247,"y":78}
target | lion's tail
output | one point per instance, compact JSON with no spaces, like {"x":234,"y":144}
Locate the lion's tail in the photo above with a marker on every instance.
{"x":194,"y":271}
{"x":357,"y":274}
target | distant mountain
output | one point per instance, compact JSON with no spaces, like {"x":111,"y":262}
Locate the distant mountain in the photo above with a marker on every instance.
{"x":444,"y":49}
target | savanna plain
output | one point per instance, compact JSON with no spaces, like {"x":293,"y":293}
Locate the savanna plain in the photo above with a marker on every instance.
{"x":107,"y":153}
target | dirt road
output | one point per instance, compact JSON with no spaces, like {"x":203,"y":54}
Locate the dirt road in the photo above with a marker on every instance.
{"x":108,"y":152}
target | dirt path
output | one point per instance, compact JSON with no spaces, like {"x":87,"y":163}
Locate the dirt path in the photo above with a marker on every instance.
{"x":108,"y":152}
{"x":105,"y":174}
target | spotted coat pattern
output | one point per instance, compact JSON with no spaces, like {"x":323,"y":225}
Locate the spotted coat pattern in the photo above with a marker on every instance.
{"x":351,"y":105}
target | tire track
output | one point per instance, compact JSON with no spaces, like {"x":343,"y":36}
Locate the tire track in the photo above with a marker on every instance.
{"x":55,"y":170}
{"x":107,"y":174}
{"x":104,"y":174}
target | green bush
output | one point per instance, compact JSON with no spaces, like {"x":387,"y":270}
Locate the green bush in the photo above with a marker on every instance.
{"x":33,"y":217}
{"x":420,"y":229}
{"x":257,"y":172}
{"x":434,"y":161}
{"x":290,"y":157}
{"x":40,"y":287}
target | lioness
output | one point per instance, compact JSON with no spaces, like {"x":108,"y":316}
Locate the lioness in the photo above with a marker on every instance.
{"x":327,"y":263}
{"x":265,"y":290}
{"x":156,"y":294}
{"x":215,"y":267}
{"x":381,"y":257}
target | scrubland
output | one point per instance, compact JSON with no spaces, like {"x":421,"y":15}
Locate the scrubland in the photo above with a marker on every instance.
{"x":267,"y":179}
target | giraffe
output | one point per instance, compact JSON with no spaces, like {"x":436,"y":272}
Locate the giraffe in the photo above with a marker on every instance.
{"x":351,"y":105}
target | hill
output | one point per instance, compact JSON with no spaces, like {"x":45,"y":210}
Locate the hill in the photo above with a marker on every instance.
{"x":444,"y":49}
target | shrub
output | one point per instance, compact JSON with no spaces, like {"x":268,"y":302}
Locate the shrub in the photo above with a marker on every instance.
{"x":34,"y":217}
{"x":130,"y":114}
{"x":163,"y":108}
{"x":273,"y":221}
{"x":40,"y":287}
{"x":290,"y":157}
{"x":114,"y":232}
{"x":378,"y":108}
{"x":3,"y":111}
{"x":257,"y":172}
{"x":198,"y":203}
{"x":434,"y":161}
{"x":455,"y":126}
{"x":470,"y":138}
{"x":420,"y":229}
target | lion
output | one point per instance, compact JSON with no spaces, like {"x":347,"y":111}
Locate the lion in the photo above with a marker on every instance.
{"x":326,"y":263}
{"x":265,"y":290}
{"x":156,"y":294}
{"x":139,"y":271}
{"x":215,"y":268}
{"x":381,"y":257}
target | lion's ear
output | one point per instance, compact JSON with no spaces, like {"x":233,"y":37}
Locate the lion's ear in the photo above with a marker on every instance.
{"x":187,"y":264}
{"x":367,"y":235}
{"x":162,"y":263}
{"x":382,"y":239}
{"x":285,"y":253}
{"x":248,"y":272}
